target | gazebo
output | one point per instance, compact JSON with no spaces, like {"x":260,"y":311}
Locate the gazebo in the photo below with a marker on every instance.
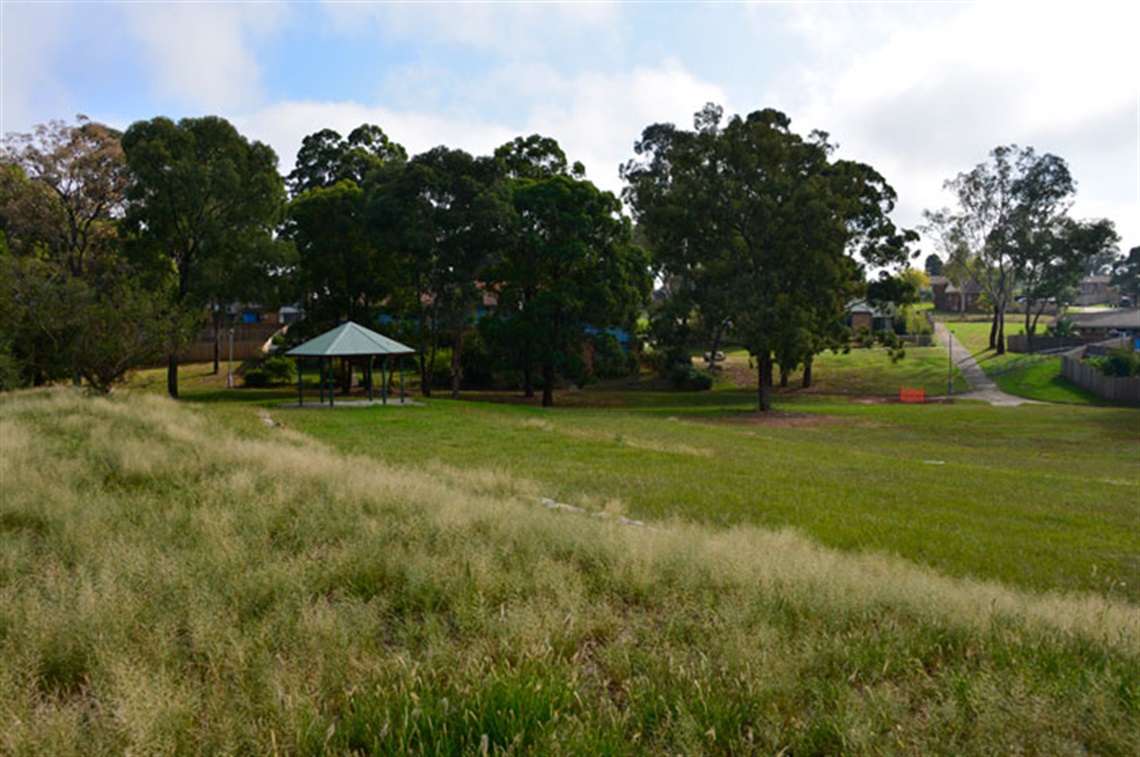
{"x":349,"y":340}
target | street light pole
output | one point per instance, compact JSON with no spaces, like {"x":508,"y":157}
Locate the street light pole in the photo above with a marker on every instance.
{"x":950,"y":362}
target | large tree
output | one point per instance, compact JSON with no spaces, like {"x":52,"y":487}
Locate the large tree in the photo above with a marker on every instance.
{"x":570,"y":266}
{"x":78,"y":178}
{"x":326,"y":158}
{"x":448,"y":213}
{"x":1050,"y":259}
{"x":763,"y":226}
{"x":1006,"y":207}
{"x":200,"y":192}
{"x":73,"y":306}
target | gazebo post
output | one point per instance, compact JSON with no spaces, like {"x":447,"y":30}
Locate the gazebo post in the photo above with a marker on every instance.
{"x":371,"y":391}
{"x":401,"y":379}
{"x":300,"y":384}
{"x":332,"y":381}
{"x":321,"y":378}
{"x":384,"y":378}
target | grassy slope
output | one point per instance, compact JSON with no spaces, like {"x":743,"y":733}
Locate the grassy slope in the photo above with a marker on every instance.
{"x":1040,"y":497}
{"x":171,"y":586}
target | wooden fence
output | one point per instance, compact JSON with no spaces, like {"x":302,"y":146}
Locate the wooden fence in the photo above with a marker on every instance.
{"x":251,"y":341}
{"x":1020,"y":343}
{"x":1126,"y":390}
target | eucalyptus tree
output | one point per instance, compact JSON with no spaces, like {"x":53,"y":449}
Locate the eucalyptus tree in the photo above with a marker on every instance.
{"x":344,"y":260}
{"x":582,"y":268}
{"x":568,"y":263}
{"x":74,"y":307}
{"x":326,"y":158}
{"x":764,"y":226}
{"x":444,"y":216}
{"x":1051,"y":258}
{"x":1007,"y":208}
{"x":200,"y":192}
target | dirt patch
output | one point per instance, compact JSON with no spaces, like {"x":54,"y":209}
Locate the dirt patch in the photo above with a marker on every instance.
{"x":782,"y":419}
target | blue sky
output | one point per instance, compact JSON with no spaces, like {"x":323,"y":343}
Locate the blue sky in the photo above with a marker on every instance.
{"x":920,"y":91}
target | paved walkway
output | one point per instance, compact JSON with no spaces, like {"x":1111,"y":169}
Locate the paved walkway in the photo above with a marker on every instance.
{"x":981,"y":386}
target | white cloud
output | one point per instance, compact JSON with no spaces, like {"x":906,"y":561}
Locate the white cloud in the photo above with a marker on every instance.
{"x":510,"y":30}
{"x":29,"y":36}
{"x":595,"y":118}
{"x":284,"y":125}
{"x":201,"y":54}
{"x":933,"y":99}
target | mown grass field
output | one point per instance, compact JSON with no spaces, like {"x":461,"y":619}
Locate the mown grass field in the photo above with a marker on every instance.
{"x":184,"y":578}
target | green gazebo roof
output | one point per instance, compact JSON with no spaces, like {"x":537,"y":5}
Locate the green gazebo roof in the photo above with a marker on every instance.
{"x":349,"y":340}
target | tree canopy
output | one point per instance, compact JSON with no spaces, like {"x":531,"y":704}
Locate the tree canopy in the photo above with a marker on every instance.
{"x":765,"y":229}
{"x":1011,"y":229}
{"x":200,"y":192}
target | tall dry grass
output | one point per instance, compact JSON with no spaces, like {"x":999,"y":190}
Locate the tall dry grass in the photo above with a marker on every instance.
{"x":168,"y":586}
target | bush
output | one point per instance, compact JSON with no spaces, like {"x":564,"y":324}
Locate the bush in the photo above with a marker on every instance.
{"x":476,"y":363}
{"x":272,"y":371}
{"x":686,"y":377}
{"x":610,"y":360}
{"x":1121,"y":362}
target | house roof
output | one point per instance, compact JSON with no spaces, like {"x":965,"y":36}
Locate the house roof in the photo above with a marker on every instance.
{"x":862,"y":306}
{"x":1122,"y":318}
{"x":349,"y":340}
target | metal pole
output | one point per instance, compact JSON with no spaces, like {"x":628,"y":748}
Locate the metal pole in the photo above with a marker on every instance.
{"x":950,"y":362}
{"x":300,"y":384}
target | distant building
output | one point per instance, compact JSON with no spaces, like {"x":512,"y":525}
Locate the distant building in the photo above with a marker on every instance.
{"x":952,"y":299}
{"x":1094,"y":290}
{"x":861,"y":313}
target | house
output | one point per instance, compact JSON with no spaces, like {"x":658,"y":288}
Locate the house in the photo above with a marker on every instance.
{"x":861,"y":313}
{"x":1106,"y":324}
{"x":950,"y":298}
{"x":1094,"y":290}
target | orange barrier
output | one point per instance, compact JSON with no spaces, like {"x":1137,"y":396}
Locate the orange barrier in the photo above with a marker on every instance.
{"x":912,"y":395}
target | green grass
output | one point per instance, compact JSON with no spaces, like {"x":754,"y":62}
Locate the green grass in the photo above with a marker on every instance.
{"x":1020,"y":375}
{"x":185,"y":579}
{"x":1038,"y":497}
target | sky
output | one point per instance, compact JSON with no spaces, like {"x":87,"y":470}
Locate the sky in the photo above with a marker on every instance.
{"x":920,"y":91}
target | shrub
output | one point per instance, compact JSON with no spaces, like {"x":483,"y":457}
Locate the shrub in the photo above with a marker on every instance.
{"x":272,"y":371}
{"x":610,"y":360}
{"x":1121,"y":362}
{"x":686,"y":377}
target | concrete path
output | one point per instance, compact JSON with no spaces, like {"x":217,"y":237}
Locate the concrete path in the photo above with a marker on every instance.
{"x":981,"y":386}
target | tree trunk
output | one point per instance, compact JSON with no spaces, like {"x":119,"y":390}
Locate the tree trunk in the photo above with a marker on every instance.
{"x":217,"y":341}
{"x":715,"y":347}
{"x":807,"y":373}
{"x":456,"y":349}
{"x":528,"y":377}
{"x":548,"y":385}
{"x":172,"y":374}
{"x":994,"y":329}
{"x":784,"y":376}
{"x":764,"y":371}
{"x":1001,"y":331}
